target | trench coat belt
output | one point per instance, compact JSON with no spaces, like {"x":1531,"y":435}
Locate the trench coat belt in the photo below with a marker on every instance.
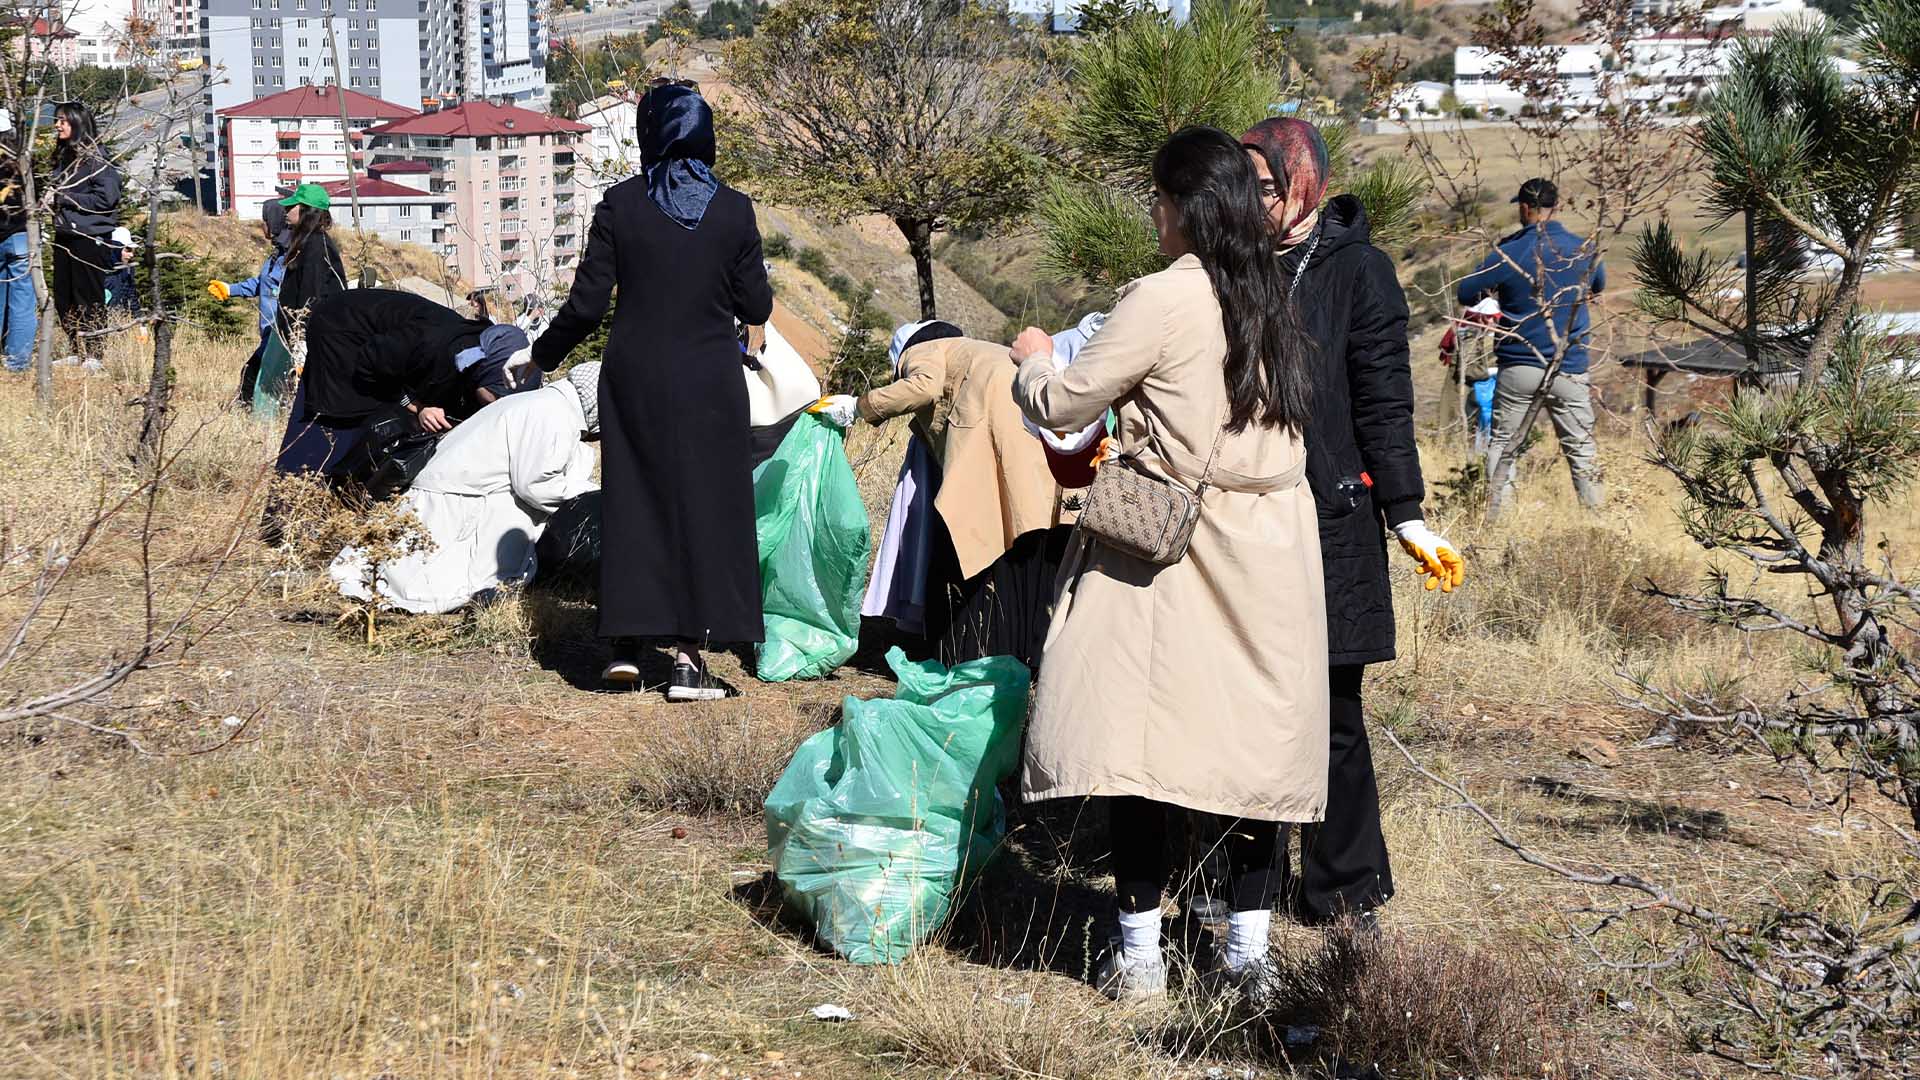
{"x":1187,"y":468}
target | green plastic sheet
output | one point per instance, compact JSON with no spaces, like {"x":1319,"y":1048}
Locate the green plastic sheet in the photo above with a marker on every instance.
{"x":814,"y":535}
{"x":877,"y":823}
{"x":274,"y":386}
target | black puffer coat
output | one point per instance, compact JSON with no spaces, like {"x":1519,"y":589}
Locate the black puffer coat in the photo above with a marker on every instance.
{"x":1361,"y":460}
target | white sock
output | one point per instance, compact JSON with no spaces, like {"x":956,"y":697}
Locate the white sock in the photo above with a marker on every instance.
{"x":1247,"y":933}
{"x":1140,"y":936}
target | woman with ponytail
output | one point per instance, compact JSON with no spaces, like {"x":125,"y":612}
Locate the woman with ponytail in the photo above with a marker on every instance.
{"x":1201,"y":684}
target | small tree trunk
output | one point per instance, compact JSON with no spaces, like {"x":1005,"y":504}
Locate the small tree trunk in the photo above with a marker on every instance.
{"x":43,"y":326}
{"x":919,"y":234}
{"x":154,"y":413}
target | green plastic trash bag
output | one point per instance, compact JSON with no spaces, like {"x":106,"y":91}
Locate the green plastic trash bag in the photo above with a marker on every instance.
{"x":274,"y":385}
{"x":813,"y":534}
{"x":878,"y":822}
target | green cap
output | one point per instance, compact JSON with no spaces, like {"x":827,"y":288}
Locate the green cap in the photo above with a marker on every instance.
{"x":309,"y":195}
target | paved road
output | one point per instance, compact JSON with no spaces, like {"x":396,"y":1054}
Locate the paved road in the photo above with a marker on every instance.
{"x":631,"y":18}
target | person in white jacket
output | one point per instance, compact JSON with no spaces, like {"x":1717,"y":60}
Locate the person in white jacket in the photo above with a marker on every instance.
{"x":486,"y":496}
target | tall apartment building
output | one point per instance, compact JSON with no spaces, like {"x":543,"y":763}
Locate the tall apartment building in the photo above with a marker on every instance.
{"x":424,"y":52}
{"x":294,"y":137}
{"x":512,"y":218}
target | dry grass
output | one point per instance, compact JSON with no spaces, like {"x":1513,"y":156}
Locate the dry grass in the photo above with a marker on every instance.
{"x":444,"y":856}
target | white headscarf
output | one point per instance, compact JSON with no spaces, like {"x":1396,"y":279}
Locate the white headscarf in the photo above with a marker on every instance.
{"x":899,"y":343}
{"x":586,"y":383}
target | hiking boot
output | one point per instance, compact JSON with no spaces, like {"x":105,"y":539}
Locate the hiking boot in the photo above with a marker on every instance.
{"x":623,"y":667}
{"x":692,"y":683}
{"x":1122,"y":980}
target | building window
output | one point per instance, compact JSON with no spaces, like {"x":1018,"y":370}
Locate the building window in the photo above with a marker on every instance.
{"x":276,"y":63}
{"x":259,"y":80}
{"x":300,"y":24}
{"x":276,"y":80}
{"x":486,"y":185}
{"x":303,"y":41}
{"x":305,"y":62}
{"x":406,"y":211}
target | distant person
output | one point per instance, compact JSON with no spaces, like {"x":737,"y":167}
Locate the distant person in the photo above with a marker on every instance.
{"x":681,"y":560}
{"x":123,"y":292}
{"x":997,"y":537}
{"x":85,"y":197}
{"x":1363,"y":467}
{"x":1202,"y":683}
{"x":19,"y":306}
{"x":1542,"y":276}
{"x":486,"y":497}
{"x":1468,"y":346}
{"x":264,"y":286}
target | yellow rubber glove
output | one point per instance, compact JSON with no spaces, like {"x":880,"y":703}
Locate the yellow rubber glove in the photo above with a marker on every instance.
{"x":219,"y":290}
{"x":1440,"y":562}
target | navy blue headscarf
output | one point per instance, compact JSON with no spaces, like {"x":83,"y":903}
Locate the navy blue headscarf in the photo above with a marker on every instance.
{"x":676,"y":150}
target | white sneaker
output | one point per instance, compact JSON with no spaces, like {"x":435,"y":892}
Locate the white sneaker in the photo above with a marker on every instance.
{"x":1124,"y":980}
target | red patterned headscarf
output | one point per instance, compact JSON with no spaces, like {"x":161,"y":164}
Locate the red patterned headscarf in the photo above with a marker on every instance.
{"x":1297,"y":156}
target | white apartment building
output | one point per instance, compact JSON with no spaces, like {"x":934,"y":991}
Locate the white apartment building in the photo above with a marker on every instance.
{"x":418,"y":53}
{"x":293,"y":137}
{"x":397,"y":204}
{"x":512,"y":217}
{"x":610,"y":150}
{"x":1478,"y":83}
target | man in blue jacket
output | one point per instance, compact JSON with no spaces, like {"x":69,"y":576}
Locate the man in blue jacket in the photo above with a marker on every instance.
{"x":1542,"y":275}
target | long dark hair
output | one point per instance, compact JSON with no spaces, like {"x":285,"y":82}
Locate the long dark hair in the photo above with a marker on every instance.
{"x":1207,"y":175}
{"x":86,"y":135}
{"x":312,"y":223}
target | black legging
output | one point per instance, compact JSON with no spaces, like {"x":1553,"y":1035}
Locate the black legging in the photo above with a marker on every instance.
{"x":80,"y":264}
{"x":1137,"y":829}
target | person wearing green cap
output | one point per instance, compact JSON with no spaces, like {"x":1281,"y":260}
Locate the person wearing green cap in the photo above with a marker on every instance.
{"x":314,"y":269}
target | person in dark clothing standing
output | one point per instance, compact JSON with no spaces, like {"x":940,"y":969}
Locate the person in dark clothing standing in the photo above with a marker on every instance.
{"x":681,"y":560}
{"x":314,"y":270}
{"x":19,"y":306}
{"x":86,"y":205}
{"x":1364,"y":468}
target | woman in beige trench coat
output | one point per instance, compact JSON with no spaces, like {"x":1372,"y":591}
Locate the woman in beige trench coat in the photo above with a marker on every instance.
{"x":1202,"y":684}
{"x":997,"y":541}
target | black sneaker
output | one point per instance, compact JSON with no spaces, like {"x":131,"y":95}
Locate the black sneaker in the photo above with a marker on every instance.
{"x":695,"y":684}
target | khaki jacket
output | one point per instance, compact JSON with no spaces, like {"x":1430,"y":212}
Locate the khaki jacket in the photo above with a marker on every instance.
{"x":994,"y":482}
{"x":1204,"y":683}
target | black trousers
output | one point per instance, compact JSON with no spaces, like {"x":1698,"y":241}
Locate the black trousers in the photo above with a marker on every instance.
{"x":80,"y":265}
{"x":1137,"y":831}
{"x":1343,"y":860}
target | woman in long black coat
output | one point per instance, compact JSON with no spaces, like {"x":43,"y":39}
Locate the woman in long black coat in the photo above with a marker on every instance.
{"x":680,"y":557}
{"x":1364,"y":470}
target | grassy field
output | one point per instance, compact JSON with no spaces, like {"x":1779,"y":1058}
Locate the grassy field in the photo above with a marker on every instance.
{"x":446,"y":854}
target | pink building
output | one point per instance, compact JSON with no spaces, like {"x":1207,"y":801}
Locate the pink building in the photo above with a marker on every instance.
{"x":294,"y":137}
{"x":513,"y":218}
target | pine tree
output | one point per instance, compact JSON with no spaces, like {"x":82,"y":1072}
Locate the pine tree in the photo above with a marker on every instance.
{"x":1788,"y":476}
{"x":1138,"y":77}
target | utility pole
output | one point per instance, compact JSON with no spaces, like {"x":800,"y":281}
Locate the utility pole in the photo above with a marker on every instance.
{"x":346,"y":125}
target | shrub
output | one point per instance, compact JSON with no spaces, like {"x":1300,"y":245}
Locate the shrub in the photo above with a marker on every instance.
{"x":777,"y":246}
{"x":721,"y":760}
{"x":1593,"y":574}
{"x":1419,"y":1006}
{"x":813,"y":261}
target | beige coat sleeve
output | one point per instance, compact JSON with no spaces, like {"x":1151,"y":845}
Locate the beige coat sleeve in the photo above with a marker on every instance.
{"x":923,"y":380}
{"x":1125,"y":350}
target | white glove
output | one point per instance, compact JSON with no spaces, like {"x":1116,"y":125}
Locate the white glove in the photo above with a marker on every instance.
{"x":836,"y":409}
{"x":1437,"y":557}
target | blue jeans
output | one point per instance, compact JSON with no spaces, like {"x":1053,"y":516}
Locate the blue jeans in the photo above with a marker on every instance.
{"x":18,"y":306}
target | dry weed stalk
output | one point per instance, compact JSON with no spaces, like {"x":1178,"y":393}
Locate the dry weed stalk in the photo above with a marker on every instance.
{"x":315,"y":526}
{"x":211,"y":599}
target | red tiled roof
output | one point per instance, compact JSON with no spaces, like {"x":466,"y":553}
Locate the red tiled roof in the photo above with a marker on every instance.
{"x":319,"y":101}
{"x":41,"y":29}
{"x":404,"y":167}
{"x":477,"y":118}
{"x":376,"y":188}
